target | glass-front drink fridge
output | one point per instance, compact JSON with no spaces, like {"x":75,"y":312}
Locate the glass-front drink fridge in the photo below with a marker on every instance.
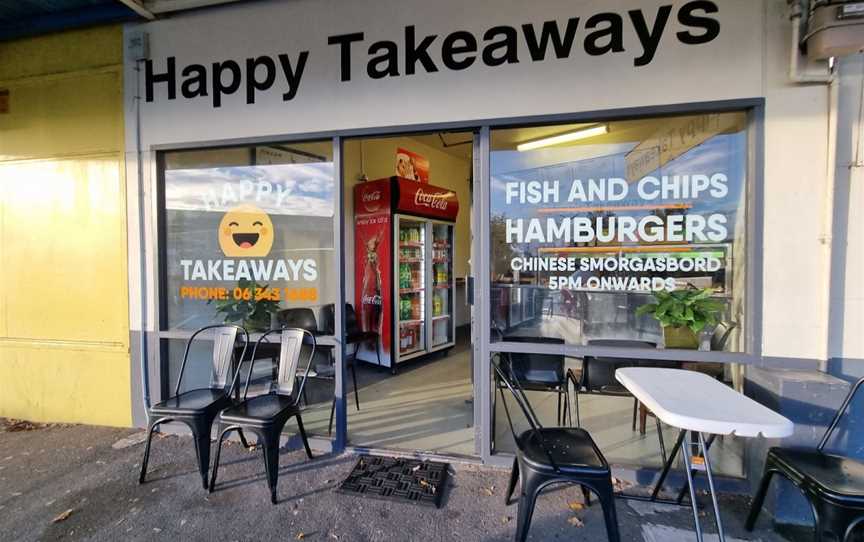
{"x":404,"y":280}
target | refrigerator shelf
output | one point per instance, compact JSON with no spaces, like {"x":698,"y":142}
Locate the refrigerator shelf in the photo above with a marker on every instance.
{"x":444,"y":286}
{"x":441,"y":317}
{"x":411,"y":322}
{"x":408,"y":291}
{"x":411,"y":244}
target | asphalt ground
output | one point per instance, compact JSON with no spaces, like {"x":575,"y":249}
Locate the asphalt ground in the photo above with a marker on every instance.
{"x":68,"y":482}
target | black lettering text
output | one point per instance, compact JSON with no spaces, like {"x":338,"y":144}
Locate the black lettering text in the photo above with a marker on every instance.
{"x":452,"y":47}
{"x":612,"y":35}
{"x":293,"y":76}
{"x":417,"y":52}
{"x":253,"y":84}
{"x":549,"y":32}
{"x":344,"y":42}
{"x":710,"y":26}
{"x":388,"y":60}
{"x":649,"y":39}
{"x":508,"y":44}
{"x":219,"y":86}
{"x":169,"y":78}
{"x":195,"y":82}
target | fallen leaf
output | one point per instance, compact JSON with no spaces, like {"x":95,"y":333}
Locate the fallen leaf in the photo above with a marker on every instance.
{"x":506,"y":519}
{"x":576,"y":506}
{"x":576,"y":522}
{"x":489,"y":491}
{"x":416,"y":468}
{"x":62,"y":516}
{"x":300,"y":536}
{"x":157,"y":530}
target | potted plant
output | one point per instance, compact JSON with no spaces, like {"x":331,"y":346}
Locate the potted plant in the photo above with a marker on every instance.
{"x":253,"y":314}
{"x":683,"y":314}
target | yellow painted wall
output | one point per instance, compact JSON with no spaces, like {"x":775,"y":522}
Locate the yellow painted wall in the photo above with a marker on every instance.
{"x":64,"y":324}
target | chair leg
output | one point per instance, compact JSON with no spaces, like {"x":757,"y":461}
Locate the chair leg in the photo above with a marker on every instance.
{"x":243,"y":440}
{"x":332,"y":411}
{"x":586,"y":494}
{"x":219,"y":441}
{"x":527,"y":500}
{"x":560,"y":423}
{"x":514,"y":479}
{"x":576,"y":402}
{"x":271,"y":461}
{"x":303,"y":437}
{"x":635,"y":411}
{"x":759,"y":499}
{"x":606,"y":494}
{"x":201,"y":433}
{"x":150,"y":430}
{"x":377,"y":349}
{"x":356,"y":390}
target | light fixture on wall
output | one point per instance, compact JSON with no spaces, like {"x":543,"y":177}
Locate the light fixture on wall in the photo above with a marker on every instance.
{"x":582,"y":133}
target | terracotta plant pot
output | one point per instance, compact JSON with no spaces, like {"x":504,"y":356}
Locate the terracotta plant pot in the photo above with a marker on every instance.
{"x":680,"y":337}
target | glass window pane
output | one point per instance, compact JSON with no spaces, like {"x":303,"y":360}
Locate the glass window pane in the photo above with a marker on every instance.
{"x":248,"y":232}
{"x":591,"y":221}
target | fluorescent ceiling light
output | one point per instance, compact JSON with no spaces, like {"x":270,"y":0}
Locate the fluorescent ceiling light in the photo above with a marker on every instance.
{"x":582,"y":133}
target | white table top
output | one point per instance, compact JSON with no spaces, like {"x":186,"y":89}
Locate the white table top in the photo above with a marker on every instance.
{"x":696,"y":402}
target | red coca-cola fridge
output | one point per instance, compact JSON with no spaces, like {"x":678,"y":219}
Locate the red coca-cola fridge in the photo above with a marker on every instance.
{"x":404,"y":282}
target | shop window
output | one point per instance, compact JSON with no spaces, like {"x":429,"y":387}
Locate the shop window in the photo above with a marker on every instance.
{"x":248,"y":233}
{"x":591,"y":221}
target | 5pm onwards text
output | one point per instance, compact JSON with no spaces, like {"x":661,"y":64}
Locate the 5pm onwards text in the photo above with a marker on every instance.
{"x":247,"y":294}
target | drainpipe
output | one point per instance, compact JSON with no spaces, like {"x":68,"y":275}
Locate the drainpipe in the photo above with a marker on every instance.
{"x":142,"y":241}
{"x":796,"y":13}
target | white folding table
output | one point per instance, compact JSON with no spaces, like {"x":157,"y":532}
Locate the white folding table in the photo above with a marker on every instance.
{"x":698,"y":404}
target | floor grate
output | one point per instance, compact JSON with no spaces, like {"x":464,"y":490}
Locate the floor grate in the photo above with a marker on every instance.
{"x":397,"y":479}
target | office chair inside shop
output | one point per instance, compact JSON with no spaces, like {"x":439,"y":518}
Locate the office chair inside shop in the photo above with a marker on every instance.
{"x":833,"y":484}
{"x":553,"y":455}
{"x":266,"y":415}
{"x":198,"y":408}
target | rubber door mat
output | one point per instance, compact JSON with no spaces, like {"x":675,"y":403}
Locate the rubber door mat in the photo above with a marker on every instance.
{"x":397,"y":479}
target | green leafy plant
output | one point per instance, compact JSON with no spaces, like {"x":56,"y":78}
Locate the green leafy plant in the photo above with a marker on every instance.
{"x":691,"y":308}
{"x":249,"y":312}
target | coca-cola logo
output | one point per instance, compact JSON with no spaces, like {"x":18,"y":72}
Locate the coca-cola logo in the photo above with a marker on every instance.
{"x":371,"y":200}
{"x":371,"y":299}
{"x":431,"y":199}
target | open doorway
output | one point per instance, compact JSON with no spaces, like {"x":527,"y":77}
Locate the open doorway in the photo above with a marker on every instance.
{"x":408,"y":245}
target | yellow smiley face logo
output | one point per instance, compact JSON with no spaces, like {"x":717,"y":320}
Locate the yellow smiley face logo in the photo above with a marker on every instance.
{"x":246,"y":231}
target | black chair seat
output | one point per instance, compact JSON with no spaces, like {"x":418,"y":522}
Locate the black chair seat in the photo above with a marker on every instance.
{"x":838,"y":478}
{"x":569,"y":448}
{"x":260,"y":410}
{"x":190,"y":402}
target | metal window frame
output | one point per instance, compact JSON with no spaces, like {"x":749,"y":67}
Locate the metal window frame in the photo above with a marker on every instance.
{"x":482,"y":346}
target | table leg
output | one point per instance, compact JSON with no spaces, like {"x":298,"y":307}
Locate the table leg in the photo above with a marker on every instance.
{"x":683,"y":491}
{"x":667,"y":467}
{"x":687,"y":452}
{"x":710,"y":477}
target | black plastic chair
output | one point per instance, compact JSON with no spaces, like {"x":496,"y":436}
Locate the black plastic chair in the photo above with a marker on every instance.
{"x":541,"y":372}
{"x":199,"y":407}
{"x":598,"y":377}
{"x":833,"y":484}
{"x":266,"y":415}
{"x":553,"y":455}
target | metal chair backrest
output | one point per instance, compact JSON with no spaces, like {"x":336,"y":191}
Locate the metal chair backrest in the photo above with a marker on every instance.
{"x":512,"y":384}
{"x":224,"y":342}
{"x":302,"y":318}
{"x":839,"y":414}
{"x":524,"y":364}
{"x":328,"y":319}
{"x":291,"y":342}
{"x":721,"y":335}
{"x":598,"y":372}
{"x":352,"y":326}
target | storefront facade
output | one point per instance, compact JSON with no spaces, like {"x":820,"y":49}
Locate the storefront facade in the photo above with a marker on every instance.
{"x":714,"y":150}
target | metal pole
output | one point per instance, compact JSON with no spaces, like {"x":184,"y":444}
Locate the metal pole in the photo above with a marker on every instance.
{"x":711,"y":487}
{"x":687,"y":463}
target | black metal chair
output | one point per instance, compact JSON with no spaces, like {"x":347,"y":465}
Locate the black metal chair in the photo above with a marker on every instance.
{"x":598,"y":377}
{"x":328,"y":371}
{"x":266,"y":415}
{"x":541,"y":372}
{"x":553,"y":455}
{"x":198,"y":408}
{"x":833,"y":484}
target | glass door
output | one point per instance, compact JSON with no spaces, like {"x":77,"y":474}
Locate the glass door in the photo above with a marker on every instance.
{"x":410,"y":310}
{"x":442,"y":286}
